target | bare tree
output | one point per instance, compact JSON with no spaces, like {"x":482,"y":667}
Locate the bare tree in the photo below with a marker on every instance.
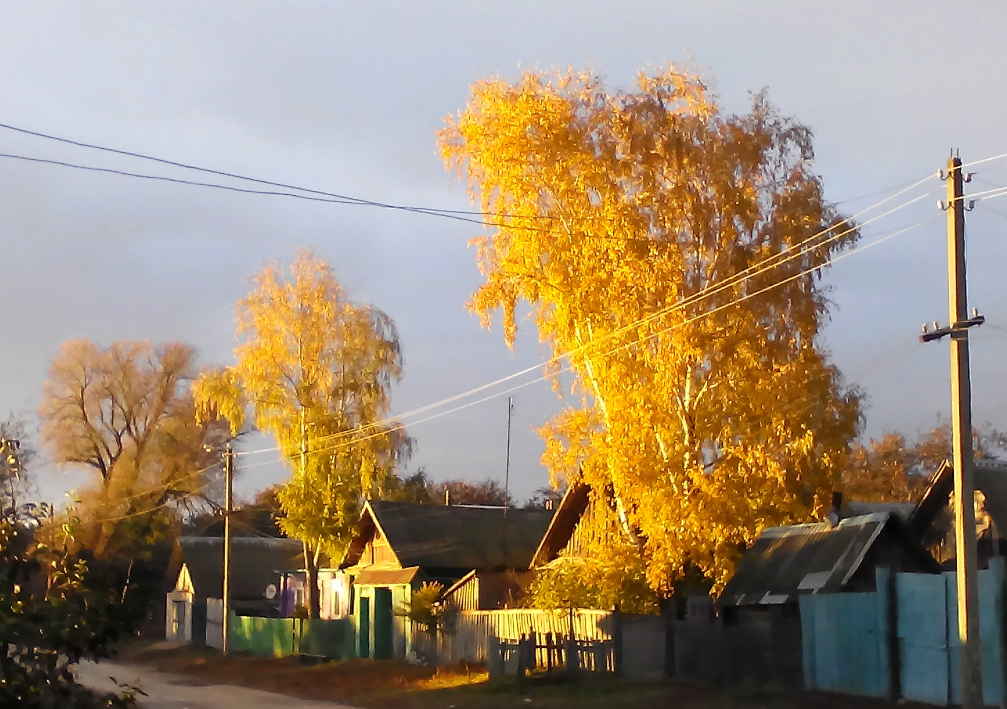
{"x":17,"y":453}
{"x":126,"y":412}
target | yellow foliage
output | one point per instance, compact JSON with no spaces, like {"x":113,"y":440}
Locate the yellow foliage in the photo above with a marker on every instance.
{"x":312,"y":368}
{"x":608,"y":213}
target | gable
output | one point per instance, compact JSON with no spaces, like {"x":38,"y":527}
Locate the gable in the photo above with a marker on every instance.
{"x":369,"y":544}
{"x":990,"y":479}
{"x":563,"y":524}
{"x":184,"y":582}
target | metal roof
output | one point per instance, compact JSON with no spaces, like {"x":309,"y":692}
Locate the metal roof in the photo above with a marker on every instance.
{"x":902,"y":510}
{"x":785,"y":562}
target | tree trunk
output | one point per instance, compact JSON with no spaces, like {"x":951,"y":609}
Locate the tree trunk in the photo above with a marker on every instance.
{"x":311,"y":582}
{"x":627,"y":528}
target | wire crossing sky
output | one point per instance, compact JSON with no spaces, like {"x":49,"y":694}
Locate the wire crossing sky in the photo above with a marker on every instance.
{"x":343,"y":102}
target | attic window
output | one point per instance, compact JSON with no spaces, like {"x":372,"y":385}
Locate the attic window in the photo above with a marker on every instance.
{"x":377,"y":534}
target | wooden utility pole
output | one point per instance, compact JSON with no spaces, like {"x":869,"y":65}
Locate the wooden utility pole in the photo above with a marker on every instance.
{"x":226,"y":600}
{"x":506,"y":540}
{"x":510,"y":413}
{"x":961,"y":426}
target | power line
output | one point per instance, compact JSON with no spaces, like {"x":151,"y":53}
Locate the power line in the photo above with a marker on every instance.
{"x":398,"y":425}
{"x":739,"y":277}
{"x":445,"y":214}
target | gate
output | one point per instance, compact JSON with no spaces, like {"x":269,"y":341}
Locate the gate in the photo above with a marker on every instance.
{"x":922,"y":604}
{"x":903,"y":638}
{"x":845,"y":641}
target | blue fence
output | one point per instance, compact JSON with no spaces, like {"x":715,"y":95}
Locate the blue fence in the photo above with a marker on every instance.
{"x":845,"y":640}
{"x":902,"y":640}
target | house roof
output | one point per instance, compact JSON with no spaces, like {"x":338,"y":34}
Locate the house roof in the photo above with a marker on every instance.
{"x":990,"y":478}
{"x":785,"y":562}
{"x":254,"y":564}
{"x":563,"y":523}
{"x":454,"y":537}
{"x":902,"y":510}
{"x":387,"y":577}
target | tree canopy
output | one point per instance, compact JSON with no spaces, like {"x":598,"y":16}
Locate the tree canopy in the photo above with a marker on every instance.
{"x":315,"y":370}
{"x":126,"y":412}
{"x":636,"y":226}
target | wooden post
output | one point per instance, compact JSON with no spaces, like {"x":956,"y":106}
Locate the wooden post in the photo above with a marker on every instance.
{"x":961,"y":428}
{"x":495,"y":657}
{"x":532,"y":651}
{"x":617,"y":641}
{"x":225,"y":605}
{"x":961,"y":438}
{"x":572,"y":656}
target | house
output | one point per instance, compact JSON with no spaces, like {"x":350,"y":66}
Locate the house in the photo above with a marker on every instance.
{"x":932,"y":520}
{"x":565,"y":532}
{"x":256,"y":572}
{"x":333,"y":591}
{"x":397,"y":546}
{"x":823,"y":557}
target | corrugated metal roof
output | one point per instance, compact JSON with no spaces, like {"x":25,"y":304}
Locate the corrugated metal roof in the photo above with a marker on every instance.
{"x":902,"y":510}
{"x":454,"y":536}
{"x":802,"y":558}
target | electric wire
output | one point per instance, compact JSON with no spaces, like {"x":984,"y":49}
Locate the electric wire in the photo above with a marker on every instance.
{"x":839,"y":257}
{"x":741,"y":276}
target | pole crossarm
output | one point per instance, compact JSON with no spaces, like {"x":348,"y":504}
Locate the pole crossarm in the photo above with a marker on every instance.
{"x":957,"y":330}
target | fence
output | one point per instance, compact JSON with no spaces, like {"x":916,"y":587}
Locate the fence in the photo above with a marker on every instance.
{"x":637,"y":647}
{"x":755,"y":652}
{"x":902,"y":640}
{"x":279,"y":637}
{"x":215,"y":623}
{"x":466,"y":635}
{"x":550,"y":653}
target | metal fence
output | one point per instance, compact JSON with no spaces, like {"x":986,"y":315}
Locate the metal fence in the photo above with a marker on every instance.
{"x":280,"y":637}
{"x":902,"y":640}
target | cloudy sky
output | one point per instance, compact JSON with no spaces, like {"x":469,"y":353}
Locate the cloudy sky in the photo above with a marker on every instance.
{"x":346,"y":97}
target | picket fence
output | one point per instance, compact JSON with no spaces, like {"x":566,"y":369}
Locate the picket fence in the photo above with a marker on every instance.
{"x":465,"y":637}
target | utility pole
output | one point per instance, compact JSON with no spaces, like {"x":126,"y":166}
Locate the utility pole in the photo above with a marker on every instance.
{"x":510,"y":412}
{"x":961,"y":426}
{"x":226,"y":601}
{"x":506,"y":548}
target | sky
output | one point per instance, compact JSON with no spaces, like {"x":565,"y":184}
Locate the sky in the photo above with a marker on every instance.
{"x":347,"y":97}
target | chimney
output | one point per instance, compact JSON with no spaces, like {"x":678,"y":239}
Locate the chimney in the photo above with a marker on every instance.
{"x":548,"y":504}
{"x":447,"y":497}
{"x":837,"y":508}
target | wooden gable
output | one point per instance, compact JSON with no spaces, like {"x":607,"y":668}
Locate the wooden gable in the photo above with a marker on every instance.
{"x":184,"y":582}
{"x":369,"y":545}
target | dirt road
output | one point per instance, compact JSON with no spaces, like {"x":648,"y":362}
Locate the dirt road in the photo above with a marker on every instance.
{"x":167,"y":691}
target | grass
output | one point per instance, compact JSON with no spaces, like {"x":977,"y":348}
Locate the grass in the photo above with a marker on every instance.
{"x":398,"y":685}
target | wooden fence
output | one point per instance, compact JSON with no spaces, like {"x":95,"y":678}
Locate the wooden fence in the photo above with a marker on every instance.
{"x":465,"y":637}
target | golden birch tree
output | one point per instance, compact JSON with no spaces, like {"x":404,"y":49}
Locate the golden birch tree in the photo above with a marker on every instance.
{"x":315,"y":370}
{"x":707,"y":413}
